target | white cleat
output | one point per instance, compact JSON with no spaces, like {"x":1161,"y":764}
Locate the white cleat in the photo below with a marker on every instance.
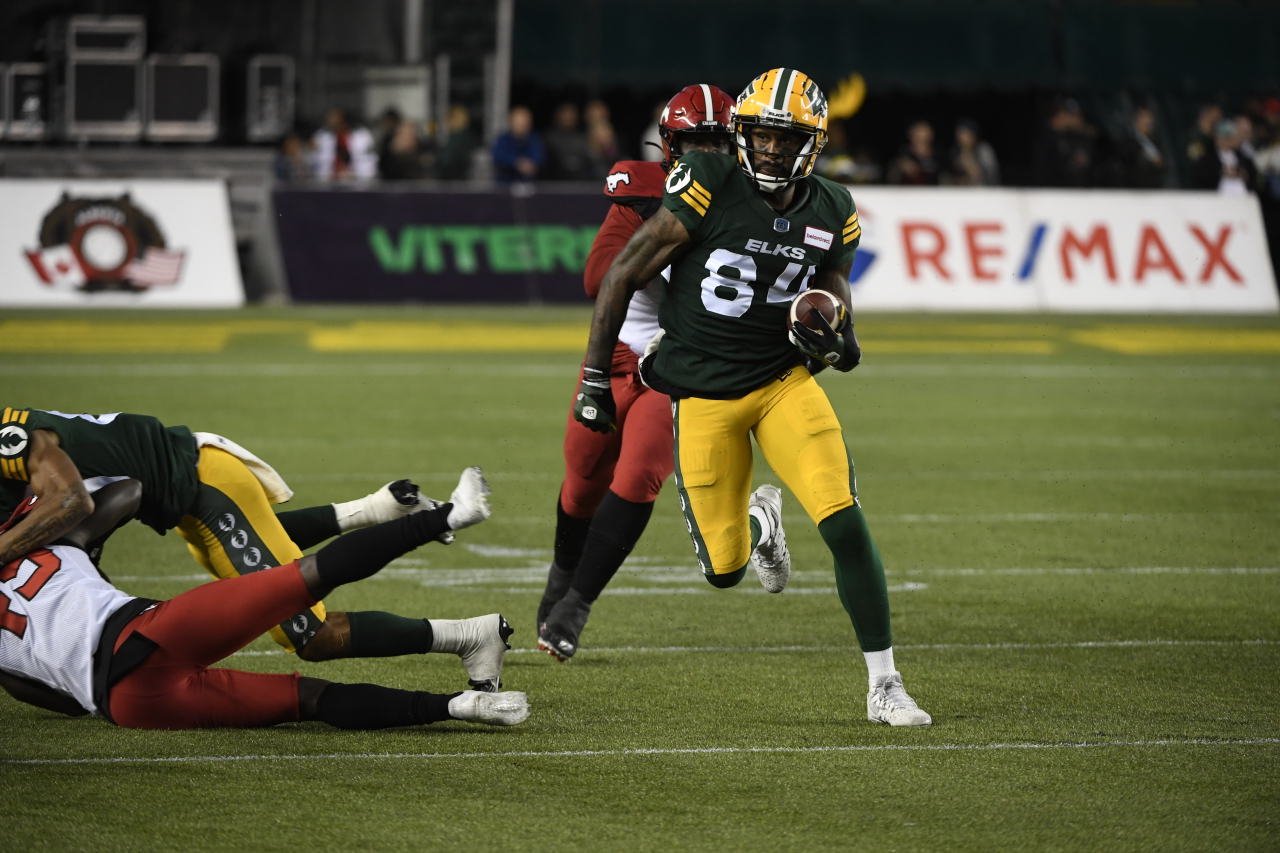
{"x":394,"y":500}
{"x":493,"y":709}
{"x":771,"y":559}
{"x":888,"y":702}
{"x":470,"y":500}
{"x":481,"y":642}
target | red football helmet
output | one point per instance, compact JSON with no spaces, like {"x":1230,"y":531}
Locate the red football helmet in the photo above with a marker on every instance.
{"x":697,"y":109}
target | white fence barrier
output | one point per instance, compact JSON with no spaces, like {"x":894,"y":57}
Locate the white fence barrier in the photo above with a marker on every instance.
{"x":117,"y":243}
{"x":1081,"y":251}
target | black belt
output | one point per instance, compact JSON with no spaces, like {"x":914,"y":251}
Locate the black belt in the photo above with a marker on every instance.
{"x":110,"y":665}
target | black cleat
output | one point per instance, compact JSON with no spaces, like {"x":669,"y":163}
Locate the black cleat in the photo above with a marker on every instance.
{"x":558,"y":634}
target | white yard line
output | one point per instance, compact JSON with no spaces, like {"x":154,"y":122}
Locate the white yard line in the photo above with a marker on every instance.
{"x":626,"y":753}
{"x":509,"y":580}
{"x":975,"y":647}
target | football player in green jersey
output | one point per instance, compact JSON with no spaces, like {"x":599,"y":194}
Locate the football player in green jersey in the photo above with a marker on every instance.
{"x":743,"y":236}
{"x":218,"y":496}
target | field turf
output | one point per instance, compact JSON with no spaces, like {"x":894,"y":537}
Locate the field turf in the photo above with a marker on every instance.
{"x":1080,"y":517}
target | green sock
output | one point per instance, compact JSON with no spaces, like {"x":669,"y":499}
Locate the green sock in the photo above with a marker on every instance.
{"x":375,"y":634}
{"x":310,"y":525}
{"x":755,"y":531}
{"x":859,"y":577}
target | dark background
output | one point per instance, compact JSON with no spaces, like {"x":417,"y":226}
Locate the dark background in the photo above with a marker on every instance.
{"x":1001,"y":62}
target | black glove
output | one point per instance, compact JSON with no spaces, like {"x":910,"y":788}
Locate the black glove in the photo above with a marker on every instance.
{"x":838,"y":349}
{"x":594,"y":406}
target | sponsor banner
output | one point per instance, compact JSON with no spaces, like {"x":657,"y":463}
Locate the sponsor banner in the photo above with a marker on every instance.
{"x":1081,"y":251}
{"x":414,"y":246}
{"x":117,"y":243}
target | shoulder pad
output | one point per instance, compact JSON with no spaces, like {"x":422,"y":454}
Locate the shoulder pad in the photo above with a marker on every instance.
{"x":634,"y":179}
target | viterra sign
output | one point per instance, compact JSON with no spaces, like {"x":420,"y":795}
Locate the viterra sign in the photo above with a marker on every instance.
{"x":1066,"y":251}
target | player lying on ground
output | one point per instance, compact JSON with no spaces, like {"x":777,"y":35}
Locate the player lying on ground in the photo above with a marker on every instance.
{"x":218,"y":496}
{"x":73,"y":643}
{"x":743,"y":237}
{"x":611,"y":480}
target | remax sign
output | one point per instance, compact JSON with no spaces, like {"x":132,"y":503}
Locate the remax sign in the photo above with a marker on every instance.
{"x":1088,"y":251}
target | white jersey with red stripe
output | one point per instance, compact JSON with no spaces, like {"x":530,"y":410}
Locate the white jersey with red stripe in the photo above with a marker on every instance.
{"x":641,"y":322}
{"x":53,"y":606}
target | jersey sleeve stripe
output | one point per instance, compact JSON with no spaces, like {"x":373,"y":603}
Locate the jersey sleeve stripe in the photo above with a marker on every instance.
{"x":13,"y":469}
{"x":701,"y":192}
{"x":849,"y":238}
{"x":23,"y":415}
{"x":697,"y":204}
{"x":8,"y":413}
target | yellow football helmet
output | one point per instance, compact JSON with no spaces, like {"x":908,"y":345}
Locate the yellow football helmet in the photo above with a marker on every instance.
{"x":782,"y":99}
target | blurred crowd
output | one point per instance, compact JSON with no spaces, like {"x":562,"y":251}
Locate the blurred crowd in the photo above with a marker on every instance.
{"x":1236,"y":151}
{"x":1233,"y":152}
{"x":1229,"y":151}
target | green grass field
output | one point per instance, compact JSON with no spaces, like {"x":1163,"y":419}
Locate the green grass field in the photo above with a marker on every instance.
{"x":1080,"y":517}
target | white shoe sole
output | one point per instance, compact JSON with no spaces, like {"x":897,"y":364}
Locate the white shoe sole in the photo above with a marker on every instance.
{"x":492,"y":709}
{"x":470,"y":500}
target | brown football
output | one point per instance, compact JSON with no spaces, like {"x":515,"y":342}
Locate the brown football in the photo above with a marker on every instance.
{"x":812,"y":302}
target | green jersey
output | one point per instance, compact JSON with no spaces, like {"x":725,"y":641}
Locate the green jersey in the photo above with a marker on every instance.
{"x":725,"y":308}
{"x":162,"y":458}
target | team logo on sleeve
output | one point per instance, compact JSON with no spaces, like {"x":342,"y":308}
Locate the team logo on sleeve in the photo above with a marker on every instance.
{"x":13,"y":440}
{"x":612,"y":182}
{"x":680,"y":177}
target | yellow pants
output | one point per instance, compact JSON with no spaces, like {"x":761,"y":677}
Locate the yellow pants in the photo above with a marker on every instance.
{"x":232,"y":530}
{"x":800,"y":436}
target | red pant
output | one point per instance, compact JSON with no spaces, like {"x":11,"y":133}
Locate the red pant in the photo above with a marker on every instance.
{"x":632,"y":462}
{"x":174,"y":688}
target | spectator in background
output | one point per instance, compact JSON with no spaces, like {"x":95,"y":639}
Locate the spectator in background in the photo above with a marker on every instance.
{"x":518,"y":153}
{"x":1268,"y":163}
{"x":1064,"y":154}
{"x":292,"y":159}
{"x":386,"y":128}
{"x":916,"y":162}
{"x":1225,"y":167}
{"x":404,"y":156}
{"x":453,"y":162}
{"x":837,"y":162}
{"x":972,"y":161}
{"x":602,"y":141}
{"x":1201,"y":141}
{"x":1140,"y":162}
{"x":341,"y":151}
{"x":1244,"y":132}
{"x":651,"y":142}
{"x":568,"y":157}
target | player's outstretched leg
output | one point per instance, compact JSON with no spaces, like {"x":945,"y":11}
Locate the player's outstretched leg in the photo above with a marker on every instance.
{"x":771,"y":559}
{"x":470,"y":500}
{"x":371,"y":706}
{"x":361,"y":553}
{"x":482,"y":644}
{"x":309,"y":526}
{"x":889,"y":702}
